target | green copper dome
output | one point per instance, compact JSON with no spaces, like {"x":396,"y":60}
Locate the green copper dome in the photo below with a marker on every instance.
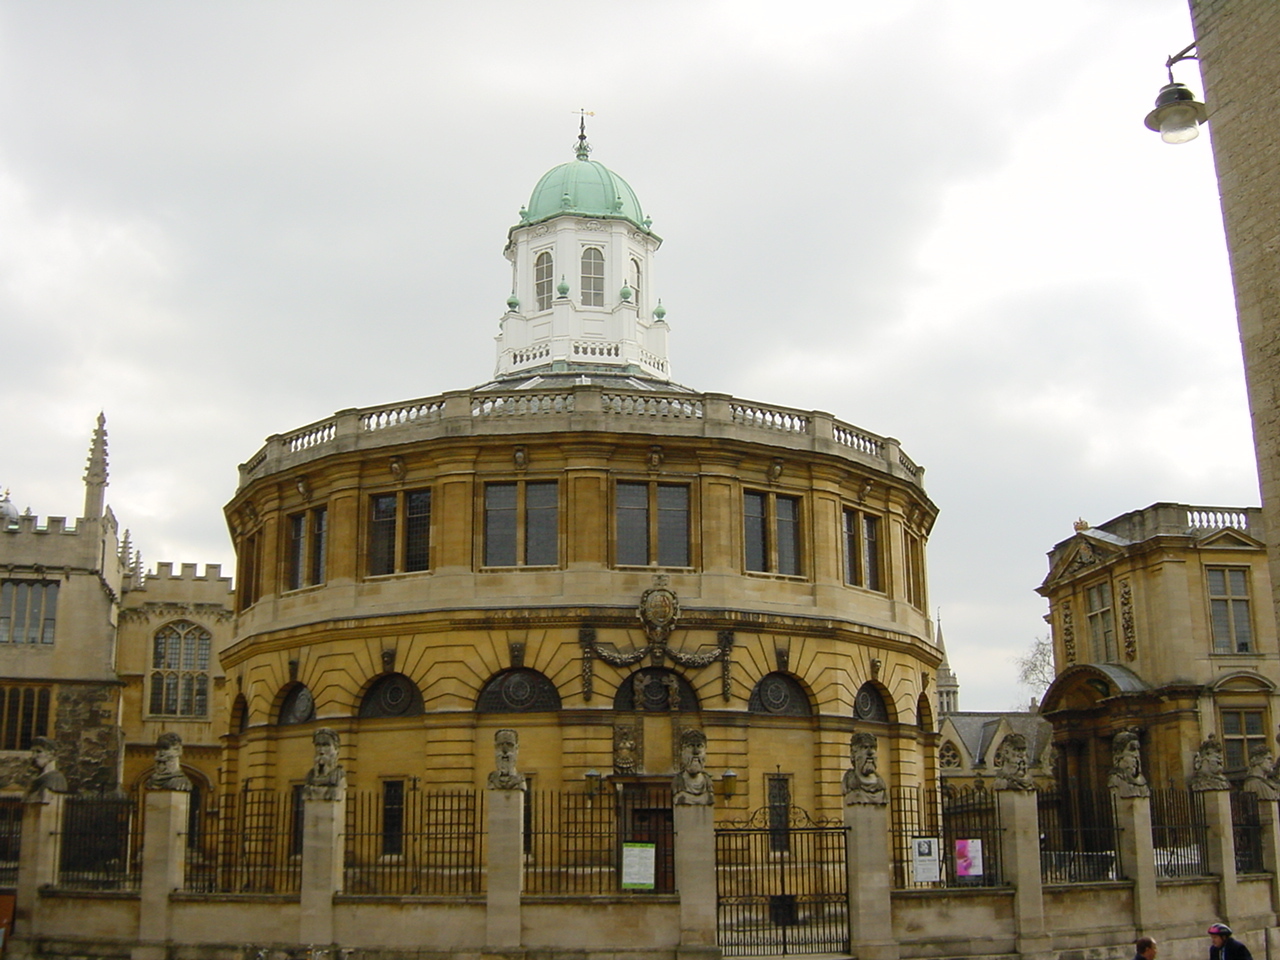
{"x":585,"y":187}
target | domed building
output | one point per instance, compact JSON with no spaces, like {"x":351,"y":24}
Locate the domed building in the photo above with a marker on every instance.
{"x":585,"y":551}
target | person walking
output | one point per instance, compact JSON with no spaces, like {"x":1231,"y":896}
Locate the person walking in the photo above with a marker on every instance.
{"x":1224,"y":945}
{"x":1144,"y":949}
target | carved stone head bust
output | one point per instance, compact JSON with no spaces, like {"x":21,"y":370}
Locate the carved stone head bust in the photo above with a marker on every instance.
{"x":168,"y":773}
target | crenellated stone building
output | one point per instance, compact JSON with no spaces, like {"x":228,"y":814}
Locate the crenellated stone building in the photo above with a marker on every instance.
{"x":100,"y":656}
{"x":587,"y":550}
{"x":1161,"y":619}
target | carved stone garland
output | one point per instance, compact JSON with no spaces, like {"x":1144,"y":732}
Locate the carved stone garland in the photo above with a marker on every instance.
{"x":1068,"y":634}
{"x":658,"y":611}
{"x":1126,"y":621}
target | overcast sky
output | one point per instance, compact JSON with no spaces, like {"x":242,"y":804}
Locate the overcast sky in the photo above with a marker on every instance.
{"x":941,"y":221}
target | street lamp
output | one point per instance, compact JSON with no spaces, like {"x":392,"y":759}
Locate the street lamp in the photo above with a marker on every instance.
{"x":1177,"y":113}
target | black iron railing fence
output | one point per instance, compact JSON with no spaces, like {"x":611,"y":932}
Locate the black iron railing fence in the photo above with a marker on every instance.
{"x":415,"y":842}
{"x":10,"y":841}
{"x":781,"y":884}
{"x":1079,"y":836}
{"x":254,"y":847}
{"x":959,"y":830}
{"x":1179,"y":833}
{"x":574,"y":840}
{"x":100,"y":843}
{"x":1246,"y":824}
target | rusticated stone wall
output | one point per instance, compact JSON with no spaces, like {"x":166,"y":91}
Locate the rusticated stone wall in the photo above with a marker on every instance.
{"x":89,"y":739}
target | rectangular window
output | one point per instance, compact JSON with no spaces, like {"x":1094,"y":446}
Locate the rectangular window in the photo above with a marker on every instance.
{"x":382,"y":534}
{"x":779,"y":797}
{"x":28,"y":611}
{"x":771,"y":532}
{"x":247,"y":594}
{"x":297,"y":551}
{"x":417,"y":530}
{"x":592,"y":277}
{"x":1241,"y":731}
{"x":861,"y":549}
{"x":522,"y":524}
{"x":1101,"y":622}
{"x":307,"y":534}
{"x":318,"y":548}
{"x":653,"y":522}
{"x":399,"y":532}
{"x":392,"y":818}
{"x":915,"y":572}
{"x":24,"y":713}
{"x":1229,"y":609}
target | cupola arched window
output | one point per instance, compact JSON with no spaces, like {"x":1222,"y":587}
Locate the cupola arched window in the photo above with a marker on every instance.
{"x":592,"y":277}
{"x":779,"y":695}
{"x":180,"y":670}
{"x":635,"y":278}
{"x":393,"y":695}
{"x":518,"y":691}
{"x":543,"y":269}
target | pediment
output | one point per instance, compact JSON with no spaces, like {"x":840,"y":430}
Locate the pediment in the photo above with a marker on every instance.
{"x":1083,"y":554}
{"x":1243,"y":681}
{"x":1229,"y":539}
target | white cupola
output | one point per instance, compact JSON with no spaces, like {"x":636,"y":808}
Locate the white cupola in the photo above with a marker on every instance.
{"x":582,"y":279}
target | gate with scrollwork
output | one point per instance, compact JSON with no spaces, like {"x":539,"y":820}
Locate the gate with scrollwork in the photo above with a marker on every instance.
{"x":781,"y":884}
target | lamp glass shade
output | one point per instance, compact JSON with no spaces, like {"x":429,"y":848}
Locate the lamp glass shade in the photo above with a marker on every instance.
{"x":1178,"y":123}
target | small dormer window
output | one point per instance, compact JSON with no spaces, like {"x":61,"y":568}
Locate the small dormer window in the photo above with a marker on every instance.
{"x":543,"y":269}
{"x":592,"y":277}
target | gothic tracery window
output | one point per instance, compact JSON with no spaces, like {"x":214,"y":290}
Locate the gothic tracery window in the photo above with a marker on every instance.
{"x":949,"y":756}
{"x":180,"y":670}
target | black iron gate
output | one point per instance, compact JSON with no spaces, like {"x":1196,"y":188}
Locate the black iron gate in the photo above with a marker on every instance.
{"x":781,"y":885}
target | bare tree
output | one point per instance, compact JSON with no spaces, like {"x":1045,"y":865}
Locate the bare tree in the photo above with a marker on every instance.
{"x":1035,"y":667}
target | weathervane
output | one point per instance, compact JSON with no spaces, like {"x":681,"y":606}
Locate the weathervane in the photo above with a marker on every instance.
{"x":583,"y":148}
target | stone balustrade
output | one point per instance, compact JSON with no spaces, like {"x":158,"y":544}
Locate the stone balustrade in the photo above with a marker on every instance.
{"x":584,"y":407}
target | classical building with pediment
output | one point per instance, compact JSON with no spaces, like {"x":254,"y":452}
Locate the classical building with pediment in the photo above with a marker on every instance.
{"x":1161,"y":620}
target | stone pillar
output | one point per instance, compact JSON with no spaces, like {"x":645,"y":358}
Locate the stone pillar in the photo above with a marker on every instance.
{"x":1020,"y":859}
{"x":695,"y":866}
{"x":1269,"y":815}
{"x":1222,"y":849}
{"x":163,"y":863}
{"x":1137,"y":858}
{"x":506,"y":868}
{"x":867,"y":865}
{"x":37,"y":859}
{"x":323,"y":830}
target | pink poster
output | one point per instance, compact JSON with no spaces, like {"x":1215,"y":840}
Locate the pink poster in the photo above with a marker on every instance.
{"x":968,"y":858}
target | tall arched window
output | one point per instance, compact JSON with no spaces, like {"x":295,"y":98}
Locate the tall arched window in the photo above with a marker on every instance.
{"x":542,"y":271}
{"x":592,"y":277}
{"x":635,"y":278}
{"x":180,"y":670}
